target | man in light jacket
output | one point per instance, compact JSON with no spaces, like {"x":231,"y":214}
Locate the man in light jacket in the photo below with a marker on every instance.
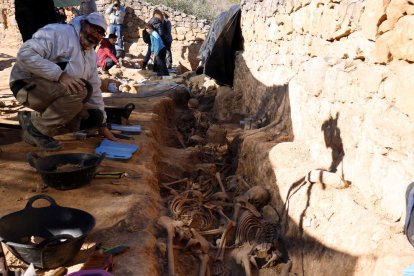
{"x":55,"y":74}
{"x":116,"y":18}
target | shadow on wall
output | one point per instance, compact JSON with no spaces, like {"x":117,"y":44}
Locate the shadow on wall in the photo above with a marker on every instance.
{"x":333,"y":140}
{"x":270,"y":106}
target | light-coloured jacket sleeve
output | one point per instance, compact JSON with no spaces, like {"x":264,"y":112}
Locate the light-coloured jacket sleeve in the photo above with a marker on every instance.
{"x":34,"y":53}
{"x":109,"y":9}
{"x":116,"y":16}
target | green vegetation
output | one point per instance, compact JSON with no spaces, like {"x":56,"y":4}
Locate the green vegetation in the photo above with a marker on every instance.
{"x":203,"y":9}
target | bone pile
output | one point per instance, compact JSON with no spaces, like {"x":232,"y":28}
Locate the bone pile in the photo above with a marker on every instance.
{"x":217,"y":226}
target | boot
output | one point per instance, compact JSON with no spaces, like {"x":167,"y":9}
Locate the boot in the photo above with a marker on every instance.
{"x":35,"y":138}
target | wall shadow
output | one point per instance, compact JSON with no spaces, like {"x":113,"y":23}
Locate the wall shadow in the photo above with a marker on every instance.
{"x":333,"y":140}
{"x":270,"y":108}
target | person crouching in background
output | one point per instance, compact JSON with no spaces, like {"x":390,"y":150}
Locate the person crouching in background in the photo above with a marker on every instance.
{"x":107,"y":55}
{"x":159,"y":51}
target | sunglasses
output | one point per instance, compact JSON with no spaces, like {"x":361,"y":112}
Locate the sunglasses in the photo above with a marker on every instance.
{"x":96,"y":30}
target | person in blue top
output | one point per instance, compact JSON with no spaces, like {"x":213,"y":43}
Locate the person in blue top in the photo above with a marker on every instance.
{"x":159,"y":51}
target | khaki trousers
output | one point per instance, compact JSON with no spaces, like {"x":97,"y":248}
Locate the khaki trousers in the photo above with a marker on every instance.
{"x":55,"y":109}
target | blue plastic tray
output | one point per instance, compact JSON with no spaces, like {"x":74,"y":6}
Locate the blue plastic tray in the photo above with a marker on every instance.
{"x":115,"y":150}
{"x":134,"y":129}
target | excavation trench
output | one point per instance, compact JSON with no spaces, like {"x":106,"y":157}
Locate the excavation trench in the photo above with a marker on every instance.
{"x":212,"y":222}
{"x":184,"y":171}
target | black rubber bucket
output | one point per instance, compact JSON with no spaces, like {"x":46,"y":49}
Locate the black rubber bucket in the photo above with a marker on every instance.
{"x":115,"y":114}
{"x":63,"y":230}
{"x":83,"y":171}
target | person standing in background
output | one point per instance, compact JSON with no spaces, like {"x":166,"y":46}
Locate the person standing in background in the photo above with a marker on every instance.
{"x":87,"y":6}
{"x":116,"y":13}
{"x":147,"y":39}
{"x":159,"y":50}
{"x":168,"y":40}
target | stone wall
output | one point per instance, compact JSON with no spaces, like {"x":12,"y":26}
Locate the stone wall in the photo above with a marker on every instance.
{"x":343,"y":73}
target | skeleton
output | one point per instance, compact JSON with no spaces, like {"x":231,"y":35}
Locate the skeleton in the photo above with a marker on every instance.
{"x":266,"y":251}
{"x":189,"y":208}
{"x":256,"y":241}
{"x":170,"y":226}
{"x":256,"y":238}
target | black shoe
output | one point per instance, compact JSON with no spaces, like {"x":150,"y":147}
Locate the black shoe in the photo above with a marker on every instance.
{"x":33,"y":137}
{"x":24,"y":119}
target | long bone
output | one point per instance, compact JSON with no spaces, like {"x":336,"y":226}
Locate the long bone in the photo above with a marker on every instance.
{"x":200,"y":244}
{"x":223,"y":240}
{"x":220,"y":182}
{"x":241,"y":256}
{"x":170,"y":225}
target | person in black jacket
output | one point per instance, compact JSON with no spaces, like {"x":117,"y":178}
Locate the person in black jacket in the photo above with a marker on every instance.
{"x":168,"y":39}
{"x":161,"y":27}
{"x":32,"y":15}
{"x":147,"y":40}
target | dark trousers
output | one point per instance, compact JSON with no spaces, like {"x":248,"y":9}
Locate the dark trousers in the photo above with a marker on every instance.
{"x":168,"y":59}
{"x":117,"y":29}
{"x":160,"y":66}
{"x":147,"y":55}
{"x":109,"y":63}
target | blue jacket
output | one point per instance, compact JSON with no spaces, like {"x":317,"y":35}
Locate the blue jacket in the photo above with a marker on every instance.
{"x":156,"y":43}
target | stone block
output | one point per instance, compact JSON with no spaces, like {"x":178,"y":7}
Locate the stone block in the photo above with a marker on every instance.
{"x":398,"y":88}
{"x":381,"y":53}
{"x":312,"y":75}
{"x":401,"y":42}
